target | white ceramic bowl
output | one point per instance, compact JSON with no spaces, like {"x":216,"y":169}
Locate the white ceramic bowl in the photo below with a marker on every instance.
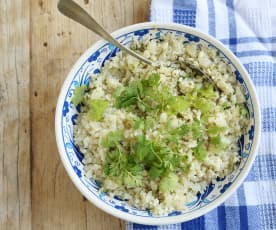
{"x":91,"y":62}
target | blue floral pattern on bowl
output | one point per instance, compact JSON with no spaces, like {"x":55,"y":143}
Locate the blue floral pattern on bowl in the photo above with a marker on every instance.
{"x":93,"y":65}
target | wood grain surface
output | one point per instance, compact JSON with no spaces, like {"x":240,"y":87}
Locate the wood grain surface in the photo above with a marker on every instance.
{"x":38,"y":46}
{"x":15,"y":183}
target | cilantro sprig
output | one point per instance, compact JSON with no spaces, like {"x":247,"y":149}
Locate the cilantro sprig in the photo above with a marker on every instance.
{"x":78,"y":94}
{"x":126,"y":164}
{"x":137,"y":94}
{"x":119,"y":165}
{"x":96,"y":109}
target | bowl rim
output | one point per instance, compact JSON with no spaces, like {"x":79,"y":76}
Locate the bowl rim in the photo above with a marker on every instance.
{"x":170,"y":219}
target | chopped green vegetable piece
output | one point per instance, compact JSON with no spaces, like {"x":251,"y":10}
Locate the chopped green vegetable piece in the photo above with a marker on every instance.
{"x":118,"y":91}
{"x":226,"y":105}
{"x":215,"y":130}
{"x":170,"y":161}
{"x":116,"y":160}
{"x":143,"y":149}
{"x":97,"y":108}
{"x":131,"y":180}
{"x":218,"y":143}
{"x":176,"y":134}
{"x":208,"y":92}
{"x":78,"y":94}
{"x":243,"y":111}
{"x":196,"y":129}
{"x":177,"y":104}
{"x":200,"y":151}
{"x":186,"y":167}
{"x":216,"y":140}
{"x":204,"y":118}
{"x":184,"y":129}
{"x":135,"y":169}
{"x":133,"y":175}
{"x":142,"y":95}
{"x":121,"y":169}
{"x":155,"y":172}
{"x":168,"y":183}
{"x":139,"y":124}
{"x":128,"y":96}
{"x":152,"y":81}
{"x":204,"y":105}
{"x":112,"y":139}
{"x":135,"y":92}
{"x":149,"y":122}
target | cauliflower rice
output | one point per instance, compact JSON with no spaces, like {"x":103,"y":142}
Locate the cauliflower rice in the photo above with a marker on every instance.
{"x":157,"y":136}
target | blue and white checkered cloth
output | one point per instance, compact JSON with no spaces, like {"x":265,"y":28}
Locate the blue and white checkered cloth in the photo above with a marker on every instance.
{"x":248,"y":28}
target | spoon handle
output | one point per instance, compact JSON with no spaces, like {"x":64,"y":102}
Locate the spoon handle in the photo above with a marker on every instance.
{"x":78,"y":14}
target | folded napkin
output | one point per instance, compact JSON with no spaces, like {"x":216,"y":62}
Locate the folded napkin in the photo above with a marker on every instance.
{"x":248,"y":28}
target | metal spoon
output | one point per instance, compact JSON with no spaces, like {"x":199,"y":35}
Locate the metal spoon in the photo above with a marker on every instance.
{"x":78,"y":14}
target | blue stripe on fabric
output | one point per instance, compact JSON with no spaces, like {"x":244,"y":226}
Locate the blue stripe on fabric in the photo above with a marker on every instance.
{"x":266,"y":170}
{"x":146,"y":227}
{"x":232,"y":217}
{"x":196,"y":224}
{"x":263,"y":168}
{"x":221,"y":217}
{"x":243,"y":218}
{"x":269,"y":120}
{"x":184,"y":4}
{"x":232,"y":25}
{"x":251,"y":174}
{"x":211,"y":17}
{"x":211,"y":220}
{"x":254,"y":53}
{"x":242,"y":208}
{"x":262,"y":73}
{"x":268,"y":213}
{"x":240,"y":40}
{"x":241,"y":196}
{"x":184,"y":12}
{"x":254,"y":217}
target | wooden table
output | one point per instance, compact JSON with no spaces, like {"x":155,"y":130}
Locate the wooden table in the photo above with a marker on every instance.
{"x":38,"y":46}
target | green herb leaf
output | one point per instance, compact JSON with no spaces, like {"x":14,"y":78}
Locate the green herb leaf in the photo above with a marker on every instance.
{"x":116,"y":161}
{"x":127,"y":97}
{"x":133,"y":175}
{"x":97,"y":108}
{"x":200,"y":151}
{"x":112,"y":139}
{"x":204,"y":105}
{"x":168,"y":183}
{"x":208,"y":92}
{"x":243,"y":111}
{"x":215,"y":130}
{"x":139,"y":124}
{"x":143,"y":149}
{"x":183,"y":129}
{"x":131,"y":180}
{"x":218,"y":143}
{"x":152,"y":81}
{"x":175,"y":134}
{"x":177,"y":104}
{"x":226,"y":105}
{"x":216,"y":140}
{"x":196,"y":129}
{"x":78,"y":94}
{"x":149,"y":122}
{"x":141,"y":94}
{"x":155,"y":172}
